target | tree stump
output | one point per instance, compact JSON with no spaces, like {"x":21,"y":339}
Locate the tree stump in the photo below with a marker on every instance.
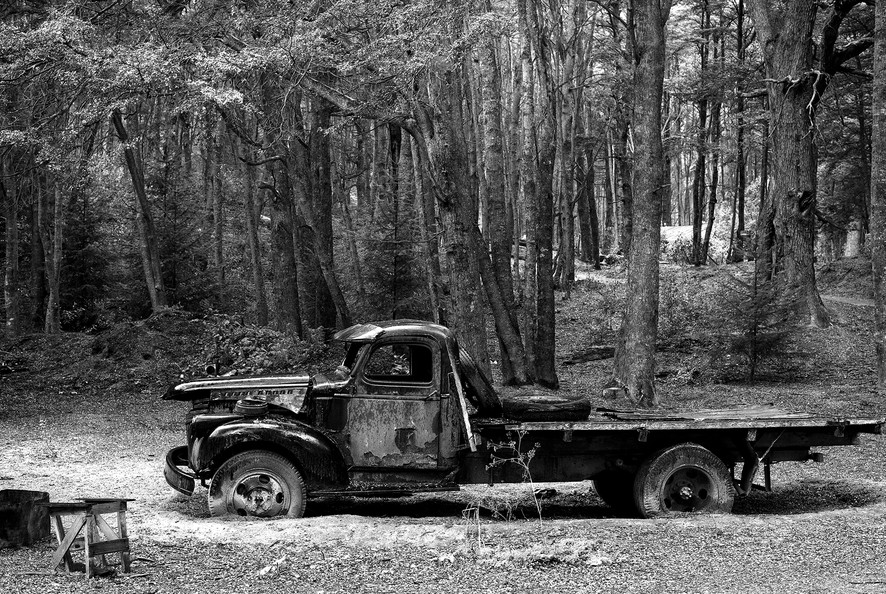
{"x":23,"y":521}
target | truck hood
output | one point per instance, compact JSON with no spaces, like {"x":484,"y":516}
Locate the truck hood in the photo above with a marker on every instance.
{"x":284,"y":391}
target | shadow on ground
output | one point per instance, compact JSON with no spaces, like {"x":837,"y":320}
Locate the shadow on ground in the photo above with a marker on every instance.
{"x":809,"y":496}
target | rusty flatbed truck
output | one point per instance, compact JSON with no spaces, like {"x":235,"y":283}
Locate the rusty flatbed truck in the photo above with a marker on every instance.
{"x":394,"y":419}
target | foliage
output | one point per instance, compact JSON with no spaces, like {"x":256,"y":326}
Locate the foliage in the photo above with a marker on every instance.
{"x":764,"y":313}
{"x":239,"y":348}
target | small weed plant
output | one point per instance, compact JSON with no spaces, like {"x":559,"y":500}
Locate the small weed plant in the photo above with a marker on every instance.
{"x":511,"y":452}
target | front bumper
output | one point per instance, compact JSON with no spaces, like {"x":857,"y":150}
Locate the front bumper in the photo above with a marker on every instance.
{"x":179,"y":479}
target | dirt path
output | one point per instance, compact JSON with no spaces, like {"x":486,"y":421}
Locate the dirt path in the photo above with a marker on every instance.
{"x":849,"y":300}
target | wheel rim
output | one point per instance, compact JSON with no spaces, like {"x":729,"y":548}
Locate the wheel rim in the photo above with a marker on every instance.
{"x":688,"y":489}
{"x":260,"y":493}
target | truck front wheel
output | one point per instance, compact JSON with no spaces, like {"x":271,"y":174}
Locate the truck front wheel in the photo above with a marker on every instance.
{"x":683,"y":478}
{"x":257,"y":483}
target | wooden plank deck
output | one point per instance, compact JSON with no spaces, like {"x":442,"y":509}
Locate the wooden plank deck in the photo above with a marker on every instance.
{"x":750,"y":417}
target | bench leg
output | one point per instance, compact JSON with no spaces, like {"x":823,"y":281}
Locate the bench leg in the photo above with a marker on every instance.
{"x":62,"y":552}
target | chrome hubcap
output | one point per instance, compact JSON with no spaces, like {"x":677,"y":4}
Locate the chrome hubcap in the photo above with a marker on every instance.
{"x":687,"y":490}
{"x":259,"y":494}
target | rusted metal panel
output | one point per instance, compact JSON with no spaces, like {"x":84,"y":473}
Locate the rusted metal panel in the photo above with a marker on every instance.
{"x":394,"y":432}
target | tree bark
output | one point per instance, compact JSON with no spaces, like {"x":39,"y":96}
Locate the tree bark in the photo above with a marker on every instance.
{"x":528,"y":188}
{"x":11,"y":292}
{"x":634,"y":366}
{"x":448,"y":156}
{"x":252,"y":214}
{"x":284,"y":230}
{"x":545,"y":348}
{"x":878,"y":191}
{"x":798,"y":73}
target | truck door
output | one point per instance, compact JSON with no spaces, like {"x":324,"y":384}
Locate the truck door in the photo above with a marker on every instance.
{"x":394,"y":411}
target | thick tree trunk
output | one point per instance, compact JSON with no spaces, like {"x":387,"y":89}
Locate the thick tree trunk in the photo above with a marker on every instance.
{"x":545,"y":347}
{"x":447,"y":152}
{"x":635,"y":350}
{"x":794,"y":85}
{"x":878,"y":191}
{"x":148,"y":245}
{"x":285,"y":243}
{"x":252,"y":214}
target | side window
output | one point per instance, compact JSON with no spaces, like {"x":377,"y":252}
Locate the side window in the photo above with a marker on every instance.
{"x":401,"y":363}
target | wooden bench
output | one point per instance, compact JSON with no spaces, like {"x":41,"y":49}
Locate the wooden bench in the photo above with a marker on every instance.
{"x":98,"y":538}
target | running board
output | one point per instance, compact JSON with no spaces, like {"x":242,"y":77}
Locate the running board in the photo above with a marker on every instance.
{"x":384,"y":491}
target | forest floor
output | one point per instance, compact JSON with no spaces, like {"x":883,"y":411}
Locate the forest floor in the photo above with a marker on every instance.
{"x":83,"y":418}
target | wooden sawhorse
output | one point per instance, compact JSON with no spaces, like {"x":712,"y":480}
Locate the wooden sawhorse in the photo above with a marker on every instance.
{"x":99,"y":538}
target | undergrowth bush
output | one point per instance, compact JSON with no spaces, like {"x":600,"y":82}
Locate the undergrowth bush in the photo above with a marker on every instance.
{"x":249,"y":349}
{"x":727,"y":322}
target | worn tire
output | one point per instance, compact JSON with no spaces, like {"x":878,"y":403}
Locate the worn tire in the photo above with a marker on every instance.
{"x":616,"y":489}
{"x":683,"y":478}
{"x":257,"y":483}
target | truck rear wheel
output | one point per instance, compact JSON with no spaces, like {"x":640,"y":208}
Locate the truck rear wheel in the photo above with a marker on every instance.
{"x":616,"y":489}
{"x":257,"y":483}
{"x":683,"y":478}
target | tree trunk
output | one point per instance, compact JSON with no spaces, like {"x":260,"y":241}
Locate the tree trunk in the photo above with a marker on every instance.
{"x":448,"y":155}
{"x":315,"y":201}
{"x":795,"y":84}
{"x":528,"y":190}
{"x":51,"y":235}
{"x":715,"y":178}
{"x":284,"y":231}
{"x":424,"y":200}
{"x":737,"y":251}
{"x":609,"y":225}
{"x":11,"y":293}
{"x":37,"y":273}
{"x":252,"y":214}
{"x":634,"y":366}
{"x":513,"y":357}
{"x":149,"y":251}
{"x":545,"y":347}
{"x":878,"y":191}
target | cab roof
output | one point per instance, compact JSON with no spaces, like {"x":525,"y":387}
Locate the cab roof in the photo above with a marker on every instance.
{"x":371,"y":331}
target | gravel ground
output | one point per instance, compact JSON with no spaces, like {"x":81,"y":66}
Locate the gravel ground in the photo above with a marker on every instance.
{"x":821,"y":530}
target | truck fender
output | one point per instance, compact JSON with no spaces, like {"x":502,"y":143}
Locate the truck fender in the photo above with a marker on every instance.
{"x":315,"y":455}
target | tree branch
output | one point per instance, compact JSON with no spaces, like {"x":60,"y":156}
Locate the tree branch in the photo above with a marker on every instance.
{"x":851,"y":50}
